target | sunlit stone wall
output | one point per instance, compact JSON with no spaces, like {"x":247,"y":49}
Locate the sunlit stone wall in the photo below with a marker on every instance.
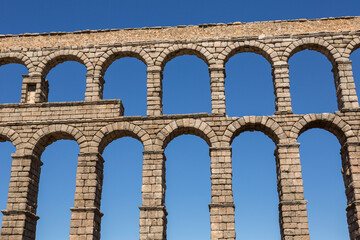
{"x":34,"y":124}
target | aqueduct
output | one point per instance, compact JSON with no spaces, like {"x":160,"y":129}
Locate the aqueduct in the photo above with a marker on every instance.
{"x":34,"y":123}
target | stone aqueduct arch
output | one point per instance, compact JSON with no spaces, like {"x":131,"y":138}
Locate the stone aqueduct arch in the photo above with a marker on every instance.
{"x":6,"y":58}
{"x":61,"y":56}
{"x":33,"y":124}
{"x":250,"y":46}
{"x":317,"y":44}
{"x":113,"y":131}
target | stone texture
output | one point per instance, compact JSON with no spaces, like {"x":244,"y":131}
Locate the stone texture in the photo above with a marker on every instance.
{"x":33,"y":124}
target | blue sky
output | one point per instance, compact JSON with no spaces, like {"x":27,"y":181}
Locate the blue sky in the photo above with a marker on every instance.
{"x":188,"y":162}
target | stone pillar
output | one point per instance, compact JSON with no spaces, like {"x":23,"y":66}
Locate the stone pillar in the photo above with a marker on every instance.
{"x":153,"y":212}
{"x":280,"y":73}
{"x":350,"y":155}
{"x":35,"y":89}
{"x":292,"y":206}
{"x":154,"y":91}
{"x":19,"y":221}
{"x":94,"y":87}
{"x":345,"y":87}
{"x":222,"y":204}
{"x":86,"y":215}
{"x":217,"y":85}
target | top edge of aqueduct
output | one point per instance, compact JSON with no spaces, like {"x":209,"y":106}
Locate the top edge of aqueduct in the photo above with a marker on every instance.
{"x":182,"y":32}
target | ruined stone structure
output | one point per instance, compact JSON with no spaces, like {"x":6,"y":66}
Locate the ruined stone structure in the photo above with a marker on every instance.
{"x":33,"y":124}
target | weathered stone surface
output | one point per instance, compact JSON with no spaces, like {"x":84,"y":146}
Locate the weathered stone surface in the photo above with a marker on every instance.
{"x":33,"y":124}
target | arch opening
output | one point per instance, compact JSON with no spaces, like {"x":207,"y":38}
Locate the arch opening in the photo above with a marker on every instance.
{"x":188,"y":188}
{"x":186,"y":86}
{"x":116,"y":56}
{"x":183,"y":52}
{"x":249,"y":49}
{"x":247,"y":86}
{"x":323,"y":184}
{"x":67,"y":81}
{"x":186,"y":131}
{"x":313,"y":47}
{"x":328,"y":125}
{"x":48,"y":64}
{"x":9,"y":60}
{"x":266,"y":125}
{"x":114,"y":135}
{"x":11,"y":81}
{"x":255,"y":197}
{"x":57,"y":189}
{"x":47,"y":139}
{"x":126,"y":79}
{"x":120,"y":200}
{"x":311,"y":82}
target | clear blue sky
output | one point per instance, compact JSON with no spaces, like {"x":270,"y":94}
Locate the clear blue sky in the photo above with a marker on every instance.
{"x":188,"y":162}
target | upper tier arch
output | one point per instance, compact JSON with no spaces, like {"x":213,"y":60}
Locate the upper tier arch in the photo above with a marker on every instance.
{"x":113,"y":131}
{"x":263,"y":124}
{"x":16,"y":57}
{"x":8,"y":134}
{"x":47,"y":135}
{"x":108,"y":57}
{"x":184,"y":49}
{"x":186,"y":126}
{"x":316,"y":44}
{"x":55,"y":58}
{"x":249,"y":46}
{"x":327,"y":121}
